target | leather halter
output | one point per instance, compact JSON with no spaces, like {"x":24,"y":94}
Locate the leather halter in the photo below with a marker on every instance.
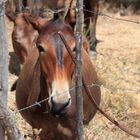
{"x":92,"y":99}
{"x":36,"y":68}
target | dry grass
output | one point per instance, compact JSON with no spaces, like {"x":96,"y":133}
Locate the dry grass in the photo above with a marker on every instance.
{"x":118,"y":67}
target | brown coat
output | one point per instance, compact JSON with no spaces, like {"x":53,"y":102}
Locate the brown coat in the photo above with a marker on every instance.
{"x":32,"y":87}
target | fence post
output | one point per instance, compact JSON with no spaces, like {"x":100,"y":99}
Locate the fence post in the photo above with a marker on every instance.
{"x":19,"y":5}
{"x":30,"y":4}
{"x":36,"y":7}
{"x":6,"y":122}
{"x":3,"y":62}
{"x":78,"y":75}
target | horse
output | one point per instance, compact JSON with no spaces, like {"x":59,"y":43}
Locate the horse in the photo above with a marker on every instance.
{"x":91,"y":10}
{"x":48,"y":77}
{"x":23,"y":35}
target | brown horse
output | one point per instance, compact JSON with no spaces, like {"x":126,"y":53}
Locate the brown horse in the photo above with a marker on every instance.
{"x":49,"y":73}
{"x":23,"y":35}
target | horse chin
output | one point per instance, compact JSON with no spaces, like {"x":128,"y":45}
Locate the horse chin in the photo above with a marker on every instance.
{"x":65,"y":113}
{"x":59,"y":115}
{"x":68,"y":112}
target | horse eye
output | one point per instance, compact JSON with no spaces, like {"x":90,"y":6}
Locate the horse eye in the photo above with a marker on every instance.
{"x":40,"y":48}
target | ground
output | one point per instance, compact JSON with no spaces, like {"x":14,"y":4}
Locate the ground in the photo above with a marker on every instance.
{"x":118,"y":67}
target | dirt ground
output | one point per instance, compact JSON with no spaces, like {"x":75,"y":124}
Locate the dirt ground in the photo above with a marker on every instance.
{"x":118,"y":67}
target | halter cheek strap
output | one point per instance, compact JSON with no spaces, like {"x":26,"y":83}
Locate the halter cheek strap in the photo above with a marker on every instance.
{"x":39,"y":85}
{"x":35,"y":86}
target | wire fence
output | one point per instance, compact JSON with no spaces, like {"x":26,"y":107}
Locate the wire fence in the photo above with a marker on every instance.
{"x":71,"y":89}
{"x":114,"y":18}
{"x":92,"y":12}
{"x":58,"y":94}
{"x":49,"y":11}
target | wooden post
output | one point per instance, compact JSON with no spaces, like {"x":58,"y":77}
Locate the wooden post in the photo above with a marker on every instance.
{"x":19,"y":6}
{"x":78,"y":75}
{"x":3,"y":62}
{"x":30,"y":4}
{"x":36,"y":7}
{"x":6,"y":122}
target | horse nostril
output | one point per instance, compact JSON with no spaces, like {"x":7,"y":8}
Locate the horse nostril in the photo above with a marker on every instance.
{"x":59,"y":108}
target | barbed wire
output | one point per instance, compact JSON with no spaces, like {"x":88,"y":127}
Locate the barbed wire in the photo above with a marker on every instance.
{"x":35,"y":104}
{"x":105,"y":15}
{"x":59,"y":94}
{"x":84,"y":9}
{"x":39,"y":103}
{"x":95,"y":13}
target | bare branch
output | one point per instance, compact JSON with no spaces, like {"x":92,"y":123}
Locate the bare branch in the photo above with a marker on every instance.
{"x":78,"y":73}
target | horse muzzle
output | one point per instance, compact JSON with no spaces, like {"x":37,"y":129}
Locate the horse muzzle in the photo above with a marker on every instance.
{"x":59,"y":109}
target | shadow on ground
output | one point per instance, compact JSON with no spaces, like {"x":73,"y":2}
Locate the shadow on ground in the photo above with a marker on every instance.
{"x":14,"y":65}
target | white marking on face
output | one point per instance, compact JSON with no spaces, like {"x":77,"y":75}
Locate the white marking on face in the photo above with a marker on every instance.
{"x":60,"y":91}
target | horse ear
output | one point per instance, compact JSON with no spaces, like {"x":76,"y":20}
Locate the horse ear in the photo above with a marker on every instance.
{"x":35,"y":87}
{"x":70,"y":16}
{"x":11,"y":16}
{"x":37,"y":22}
{"x":31,"y":19}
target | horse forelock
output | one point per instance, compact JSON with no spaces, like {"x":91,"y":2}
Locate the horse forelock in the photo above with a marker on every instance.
{"x":59,"y":51}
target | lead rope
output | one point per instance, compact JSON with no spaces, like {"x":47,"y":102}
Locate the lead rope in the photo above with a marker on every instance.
{"x":128,"y":131}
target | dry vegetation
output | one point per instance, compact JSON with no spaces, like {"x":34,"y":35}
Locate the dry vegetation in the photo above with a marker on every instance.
{"x":118,"y":67}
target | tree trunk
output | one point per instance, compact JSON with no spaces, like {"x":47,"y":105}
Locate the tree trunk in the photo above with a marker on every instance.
{"x":3,"y":63}
{"x":5,"y":120}
{"x":19,"y":6}
{"x":79,"y":96}
{"x":37,"y":7}
{"x":7,"y":123}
